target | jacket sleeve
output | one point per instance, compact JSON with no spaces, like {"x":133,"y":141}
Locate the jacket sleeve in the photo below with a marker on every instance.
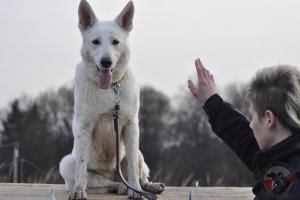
{"x":233,"y":128}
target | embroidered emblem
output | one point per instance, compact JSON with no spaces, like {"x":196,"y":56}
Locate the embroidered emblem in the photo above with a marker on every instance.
{"x":278,"y":180}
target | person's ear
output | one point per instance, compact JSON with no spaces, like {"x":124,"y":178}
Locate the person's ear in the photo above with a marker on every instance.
{"x":270,"y":118}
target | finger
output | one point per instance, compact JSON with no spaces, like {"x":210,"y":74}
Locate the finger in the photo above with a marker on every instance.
{"x":212,"y":78}
{"x":192,"y":87}
{"x":209,"y":75}
{"x":200,"y":68}
{"x":203,"y":72}
{"x":201,"y":65}
{"x":206,"y":74}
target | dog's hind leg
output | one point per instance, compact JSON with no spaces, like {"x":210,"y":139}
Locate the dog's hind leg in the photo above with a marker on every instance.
{"x":67,"y":171}
{"x":96,"y":183}
{"x":103,"y":183}
{"x":156,"y":188}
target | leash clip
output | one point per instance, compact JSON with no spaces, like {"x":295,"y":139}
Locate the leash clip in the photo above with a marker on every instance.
{"x":117,"y":89}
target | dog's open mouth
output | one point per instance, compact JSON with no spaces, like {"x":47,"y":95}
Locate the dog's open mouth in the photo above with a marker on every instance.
{"x":105,"y":76}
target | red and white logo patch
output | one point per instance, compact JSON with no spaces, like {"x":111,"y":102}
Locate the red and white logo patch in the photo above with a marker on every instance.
{"x":278,"y":180}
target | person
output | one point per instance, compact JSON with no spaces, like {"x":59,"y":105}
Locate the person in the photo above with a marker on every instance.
{"x":269,"y":145}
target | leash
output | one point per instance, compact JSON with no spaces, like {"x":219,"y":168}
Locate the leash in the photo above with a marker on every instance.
{"x":148,"y":195}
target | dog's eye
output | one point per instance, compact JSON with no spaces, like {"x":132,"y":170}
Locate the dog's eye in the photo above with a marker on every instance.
{"x":96,"y":42}
{"x":115,"y":42}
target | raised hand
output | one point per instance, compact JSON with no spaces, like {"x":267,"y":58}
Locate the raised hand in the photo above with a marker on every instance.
{"x":206,"y":84}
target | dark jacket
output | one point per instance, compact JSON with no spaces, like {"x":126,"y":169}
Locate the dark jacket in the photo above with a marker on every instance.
{"x":276,"y":170}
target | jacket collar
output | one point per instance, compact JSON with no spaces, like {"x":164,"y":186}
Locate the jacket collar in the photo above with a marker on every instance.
{"x":282,"y":151}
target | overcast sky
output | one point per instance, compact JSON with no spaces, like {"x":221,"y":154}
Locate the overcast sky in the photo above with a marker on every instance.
{"x":40,"y":42}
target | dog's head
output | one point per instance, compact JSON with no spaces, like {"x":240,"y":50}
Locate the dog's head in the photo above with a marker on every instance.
{"x":105,"y":50}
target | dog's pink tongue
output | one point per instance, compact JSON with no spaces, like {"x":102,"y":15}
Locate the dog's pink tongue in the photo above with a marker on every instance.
{"x":104,"y":78}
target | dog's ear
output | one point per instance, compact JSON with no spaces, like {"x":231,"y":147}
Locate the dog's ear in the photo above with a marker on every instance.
{"x":125,"y":18}
{"x":87,"y":18}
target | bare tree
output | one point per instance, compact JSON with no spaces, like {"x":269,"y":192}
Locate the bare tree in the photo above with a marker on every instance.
{"x":43,"y":130}
{"x":235,"y":94}
{"x":154,"y":111}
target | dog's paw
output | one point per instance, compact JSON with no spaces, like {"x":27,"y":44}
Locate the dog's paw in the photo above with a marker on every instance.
{"x":78,"y":195}
{"x":155,"y":188}
{"x":133,"y":195}
{"x":122,"y":189}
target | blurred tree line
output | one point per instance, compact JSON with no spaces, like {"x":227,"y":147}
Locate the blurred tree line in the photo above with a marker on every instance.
{"x":176,"y":140}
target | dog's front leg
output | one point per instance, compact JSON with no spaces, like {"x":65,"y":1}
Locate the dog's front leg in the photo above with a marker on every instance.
{"x":131,"y":141}
{"x":82,"y":142}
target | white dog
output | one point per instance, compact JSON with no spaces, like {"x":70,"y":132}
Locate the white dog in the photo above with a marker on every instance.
{"x":105,"y":55}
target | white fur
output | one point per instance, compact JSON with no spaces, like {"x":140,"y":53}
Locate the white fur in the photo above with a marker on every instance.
{"x":92,"y":162}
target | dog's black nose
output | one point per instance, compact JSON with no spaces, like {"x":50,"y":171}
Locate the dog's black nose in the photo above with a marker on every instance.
{"x":106,"y":62}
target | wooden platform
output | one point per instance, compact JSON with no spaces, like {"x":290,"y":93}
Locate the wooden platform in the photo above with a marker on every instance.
{"x":10,"y":191}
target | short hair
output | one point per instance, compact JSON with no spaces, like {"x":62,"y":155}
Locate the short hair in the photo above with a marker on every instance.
{"x":277,"y":89}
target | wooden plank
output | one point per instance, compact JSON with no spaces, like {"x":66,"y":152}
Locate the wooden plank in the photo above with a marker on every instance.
{"x":11,"y":191}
